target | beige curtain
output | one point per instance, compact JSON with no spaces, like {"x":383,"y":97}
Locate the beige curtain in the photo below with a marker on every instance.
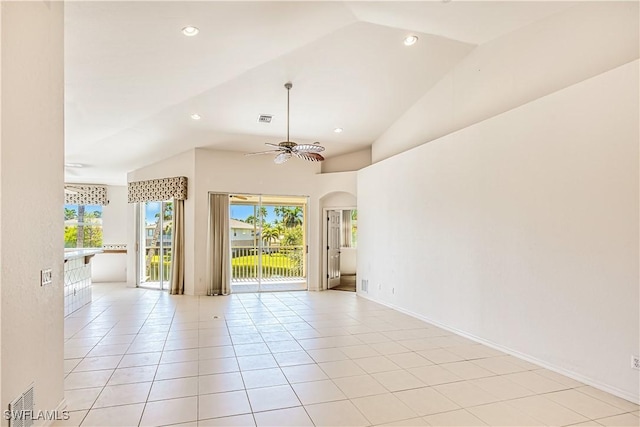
{"x":177,"y":249}
{"x":218,"y":245}
{"x":346,"y":229}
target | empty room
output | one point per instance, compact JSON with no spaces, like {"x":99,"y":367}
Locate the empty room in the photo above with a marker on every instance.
{"x":319,"y":213}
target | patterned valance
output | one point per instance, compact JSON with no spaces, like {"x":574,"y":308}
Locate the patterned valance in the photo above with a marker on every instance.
{"x":158,"y":190}
{"x":81,"y":194}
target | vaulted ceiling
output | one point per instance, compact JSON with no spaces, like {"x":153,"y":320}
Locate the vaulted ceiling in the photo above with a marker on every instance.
{"x":133,"y":79}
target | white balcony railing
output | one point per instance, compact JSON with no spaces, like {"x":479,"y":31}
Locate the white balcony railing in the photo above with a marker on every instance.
{"x":278,"y":263}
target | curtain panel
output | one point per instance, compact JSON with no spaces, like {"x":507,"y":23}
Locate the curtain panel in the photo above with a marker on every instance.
{"x":177,"y":250}
{"x":85,"y":194}
{"x":218,"y":246}
{"x":158,"y":190}
{"x":346,"y":228}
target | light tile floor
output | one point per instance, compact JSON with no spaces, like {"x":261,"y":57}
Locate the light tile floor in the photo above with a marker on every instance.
{"x":142,"y":357}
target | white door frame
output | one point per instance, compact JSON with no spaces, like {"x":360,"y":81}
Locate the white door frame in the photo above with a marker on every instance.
{"x":325,"y":242}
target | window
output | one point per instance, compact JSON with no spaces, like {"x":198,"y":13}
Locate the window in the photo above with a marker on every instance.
{"x":82,"y":226}
{"x":349,"y":228}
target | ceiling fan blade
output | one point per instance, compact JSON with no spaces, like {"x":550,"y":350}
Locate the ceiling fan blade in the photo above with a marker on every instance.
{"x":308,"y":148}
{"x":311,"y":157}
{"x":263,"y":152}
{"x":272,"y":145}
{"x":281,"y":158}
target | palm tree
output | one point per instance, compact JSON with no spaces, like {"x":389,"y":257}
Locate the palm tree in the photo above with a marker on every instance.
{"x":167,"y":216}
{"x":70,"y":214}
{"x":270,"y":233}
{"x":291,"y":215}
{"x":262,"y":211}
{"x":80,"y":234}
{"x":259,"y":214}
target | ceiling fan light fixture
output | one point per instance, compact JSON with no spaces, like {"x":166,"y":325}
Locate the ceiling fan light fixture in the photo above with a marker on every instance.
{"x":410,"y":40}
{"x":286,"y":149}
{"x":190,"y":31}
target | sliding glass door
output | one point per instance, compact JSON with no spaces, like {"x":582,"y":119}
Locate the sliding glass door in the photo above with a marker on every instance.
{"x":268,"y":243}
{"x":156,"y":226}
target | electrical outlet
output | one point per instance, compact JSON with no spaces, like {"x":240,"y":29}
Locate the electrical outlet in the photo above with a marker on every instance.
{"x":635,"y":362}
{"x":46,"y":277}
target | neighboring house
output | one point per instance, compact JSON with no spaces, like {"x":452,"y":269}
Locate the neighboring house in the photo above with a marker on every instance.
{"x":242,"y":233}
{"x":148,"y":236}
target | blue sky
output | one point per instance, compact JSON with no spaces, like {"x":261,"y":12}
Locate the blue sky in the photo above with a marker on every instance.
{"x":87,"y":208}
{"x":241,"y":212}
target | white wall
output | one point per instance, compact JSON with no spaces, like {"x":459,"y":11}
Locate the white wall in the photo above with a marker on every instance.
{"x":116,"y":219}
{"x":347,"y":162}
{"x":538,"y":59}
{"x":31,"y":152}
{"x":182,"y":164}
{"x":339,"y":200}
{"x":528,"y":234}
{"x":348,"y":261}
{"x":1,"y":126}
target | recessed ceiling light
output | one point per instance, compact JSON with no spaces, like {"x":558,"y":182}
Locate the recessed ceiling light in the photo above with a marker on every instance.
{"x":73,"y":165}
{"x":196,"y":116}
{"x":190,"y":31}
{"x":338,"y":130}
{"x":410,"y":40}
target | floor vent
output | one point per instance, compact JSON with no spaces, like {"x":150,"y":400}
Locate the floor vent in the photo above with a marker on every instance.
{"x":21,"y":410}
{"x":364,"y":285}
{"x":265,"y":118}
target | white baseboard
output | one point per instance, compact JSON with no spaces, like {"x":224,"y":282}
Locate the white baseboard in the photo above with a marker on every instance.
{"x":543,"y":364}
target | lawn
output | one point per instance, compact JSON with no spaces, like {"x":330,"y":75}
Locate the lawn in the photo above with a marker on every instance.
{"x":273,"y":265}
{"x":268,"y":260}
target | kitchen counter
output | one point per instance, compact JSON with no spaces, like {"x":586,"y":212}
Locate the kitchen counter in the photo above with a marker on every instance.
{"x":77,"y":253}
{"x":77,"y":278}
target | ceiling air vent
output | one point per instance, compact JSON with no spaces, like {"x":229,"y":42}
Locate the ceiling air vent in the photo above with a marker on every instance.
{"x":265,"y":118}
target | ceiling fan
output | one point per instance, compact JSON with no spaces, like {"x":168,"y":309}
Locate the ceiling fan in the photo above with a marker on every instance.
{"x":287,"y":149}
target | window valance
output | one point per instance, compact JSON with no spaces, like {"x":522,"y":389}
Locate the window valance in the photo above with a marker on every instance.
{"x":158,"y":190}
{"x":81,"y":194}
